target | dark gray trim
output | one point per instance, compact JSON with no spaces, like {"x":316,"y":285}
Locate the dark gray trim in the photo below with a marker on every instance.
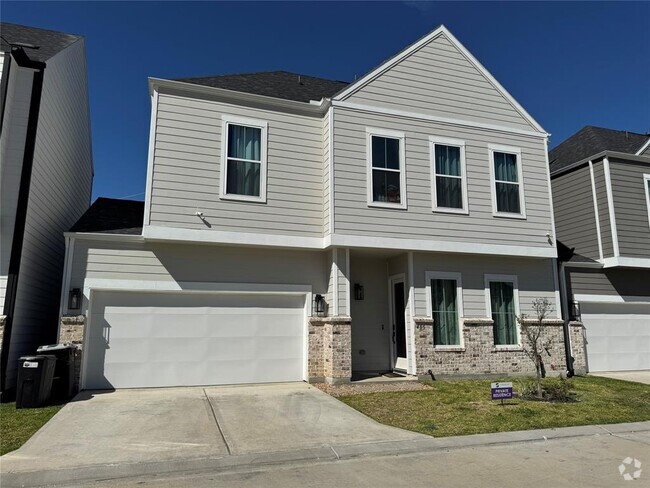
{"x":6,"y":68}
{"x":21,"y":210}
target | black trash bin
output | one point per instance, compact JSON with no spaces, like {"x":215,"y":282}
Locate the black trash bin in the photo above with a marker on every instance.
{"x":35,"y":374}
{"x":63,"y":382}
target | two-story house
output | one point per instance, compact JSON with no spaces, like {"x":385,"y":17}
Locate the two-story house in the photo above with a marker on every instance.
{"x":601,"y":194}
{"x":46,"y":173}
{"x":296,"y":228}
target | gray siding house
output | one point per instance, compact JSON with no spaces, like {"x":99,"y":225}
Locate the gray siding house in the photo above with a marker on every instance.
{"x":302,"y":229}
{"x":601,"y":194}
{"x":46,"y":178}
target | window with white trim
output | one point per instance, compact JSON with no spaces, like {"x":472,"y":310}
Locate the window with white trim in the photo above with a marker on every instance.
{"x":243,"y":159}
{"x":507,"y":182}
{"x":448,"y":175}
{"x":445,"y":299}
{"x":502,"y":301}
{"x":386,"y":175}
{"x":646,"y":184}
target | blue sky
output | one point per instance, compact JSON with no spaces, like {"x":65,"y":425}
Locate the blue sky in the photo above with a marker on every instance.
{"x":568,"y":64}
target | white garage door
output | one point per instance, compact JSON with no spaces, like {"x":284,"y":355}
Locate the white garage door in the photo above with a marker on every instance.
{"x":618,"y":336}
{"x":138,"y":339}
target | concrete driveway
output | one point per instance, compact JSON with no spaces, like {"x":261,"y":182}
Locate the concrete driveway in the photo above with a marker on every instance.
{"x":635,"y":376}
{"x":154,"y":425}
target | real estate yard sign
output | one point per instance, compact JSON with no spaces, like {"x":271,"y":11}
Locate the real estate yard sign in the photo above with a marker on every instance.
{"x":501,"y":391}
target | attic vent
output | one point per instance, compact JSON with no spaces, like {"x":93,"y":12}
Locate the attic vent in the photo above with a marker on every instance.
{"x":299,"y":80}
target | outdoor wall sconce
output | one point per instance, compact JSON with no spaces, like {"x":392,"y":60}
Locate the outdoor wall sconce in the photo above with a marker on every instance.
{"x":319,"y":305}
{"x":74,"y":299}
{"x":358,"y":291}
{"x":575,"y":310}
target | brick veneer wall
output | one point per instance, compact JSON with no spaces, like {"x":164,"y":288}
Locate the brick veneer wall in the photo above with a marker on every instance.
{"x":72,"y":332}
{"x":480,"y":356}
{"x":330,"y":349}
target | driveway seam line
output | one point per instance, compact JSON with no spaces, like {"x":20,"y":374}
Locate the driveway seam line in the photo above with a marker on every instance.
{"x":216,"y":421}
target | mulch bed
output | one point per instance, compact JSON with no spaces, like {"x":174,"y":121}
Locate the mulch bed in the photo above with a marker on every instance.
{"x":362,"y":388}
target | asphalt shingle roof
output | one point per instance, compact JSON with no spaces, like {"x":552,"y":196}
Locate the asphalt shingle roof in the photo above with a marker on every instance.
{"x":49,"y":42}
{"x":592,"y":140}
{"x":112,"y":216}
{"x":277,"y":84}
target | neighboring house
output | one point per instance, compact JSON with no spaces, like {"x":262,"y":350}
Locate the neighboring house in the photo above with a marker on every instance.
{"x":46,"y":177}
{"x":297,"y":228}
{"x":601,"y":194}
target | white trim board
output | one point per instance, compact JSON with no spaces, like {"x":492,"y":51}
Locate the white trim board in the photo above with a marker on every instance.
{"x":643,"y":148}
{"x":646,"y":187}
{"x":360,"y":107}
{"x":626,"y":262}
{"x":151,"y":157}
{"x":442,"y":30}
{"x":586,"y":297}
{"x":597,"y":214}
{"x":610,"y":206}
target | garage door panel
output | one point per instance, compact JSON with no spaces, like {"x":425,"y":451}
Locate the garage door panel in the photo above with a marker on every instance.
{"x":154,"y":339}
{"x":618,"y":336}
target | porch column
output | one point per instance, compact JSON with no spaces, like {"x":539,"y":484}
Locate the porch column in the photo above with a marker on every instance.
{"x":330,"y":349}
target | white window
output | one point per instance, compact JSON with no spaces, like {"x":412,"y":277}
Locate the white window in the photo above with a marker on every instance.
{"x":243,"y":159}
{"x":507,"y":182}
{"x":445,"y":304}
{"x":386,"y":173}
{"x":448,"y":175}
{"x":502,"y":304}
{"x":646,"y":184}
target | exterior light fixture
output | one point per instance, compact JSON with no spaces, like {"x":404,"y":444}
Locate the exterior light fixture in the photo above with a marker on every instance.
{"x":319,"y":305}
{"x":74,"y":299}
{"x":575,"y":311}
{"x":358,"y":291}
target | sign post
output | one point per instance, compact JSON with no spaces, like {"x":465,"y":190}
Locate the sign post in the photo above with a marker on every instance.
{"x":501,"y":391}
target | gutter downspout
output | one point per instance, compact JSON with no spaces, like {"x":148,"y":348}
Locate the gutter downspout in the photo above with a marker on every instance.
{"x":21,"y":59}
{"x":568,"y":351}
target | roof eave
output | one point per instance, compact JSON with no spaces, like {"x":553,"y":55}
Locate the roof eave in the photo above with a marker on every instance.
{"x":600,"y":155}
{"x":310,"y":108}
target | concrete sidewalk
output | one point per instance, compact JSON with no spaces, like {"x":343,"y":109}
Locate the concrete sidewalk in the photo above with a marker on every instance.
{"x":308,"y":456}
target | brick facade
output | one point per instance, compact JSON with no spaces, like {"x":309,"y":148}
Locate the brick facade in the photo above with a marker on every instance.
{"x":330,"y":349}
{"x":72,"y":332}
{"x":479,"y":356}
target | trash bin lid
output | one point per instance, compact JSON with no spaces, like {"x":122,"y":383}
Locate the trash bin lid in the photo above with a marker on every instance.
{"x":40,"y":357}
{"x":54,"y":347}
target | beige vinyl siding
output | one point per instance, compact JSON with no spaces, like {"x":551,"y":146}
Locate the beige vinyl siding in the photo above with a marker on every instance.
{"x":438,"y":79}
{"x":12,"y":148}
{"x":630,"y":208}
{"x":575,"y":216}
{"x":326,"y":174}
{"x":534,"y":277}
{"x":603,"y":209}
{"x":353,"y":216}
{"x":141,"y":261}
{"x":187,"y":169}
{"x":614,"y":282}
{"x":60,"y":190}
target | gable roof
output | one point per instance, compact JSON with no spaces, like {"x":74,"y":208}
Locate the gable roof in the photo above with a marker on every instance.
{"x":49,"y":42}
{"x":440,"y":31}
{"x":276,"y":84}
{"x":112,"y":216}
{"x":592,"y":140}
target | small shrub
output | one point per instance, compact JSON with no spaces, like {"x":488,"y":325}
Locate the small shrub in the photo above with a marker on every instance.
{"x":558,"y":390}
{"x":527,"y":387}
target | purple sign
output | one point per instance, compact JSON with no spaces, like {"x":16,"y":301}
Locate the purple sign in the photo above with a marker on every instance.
{"x":501,"y":391}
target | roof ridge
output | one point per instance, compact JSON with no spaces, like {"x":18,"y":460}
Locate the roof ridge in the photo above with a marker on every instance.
{"x":81,"y":36}
{"x":252,"y":73}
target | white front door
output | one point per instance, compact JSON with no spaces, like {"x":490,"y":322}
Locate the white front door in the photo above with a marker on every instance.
{"x":617,"y":336}
{"x":139,"y":339}
{"x":398,"y":308}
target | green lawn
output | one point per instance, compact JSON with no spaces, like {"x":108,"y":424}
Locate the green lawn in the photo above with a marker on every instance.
{"x":17,"y":426}
{"x":464,"y":407}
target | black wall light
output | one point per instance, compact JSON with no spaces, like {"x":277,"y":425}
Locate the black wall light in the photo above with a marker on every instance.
{"x":358,"y":291}
{"x":319,"y":305}
{"x":74,"y":299}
